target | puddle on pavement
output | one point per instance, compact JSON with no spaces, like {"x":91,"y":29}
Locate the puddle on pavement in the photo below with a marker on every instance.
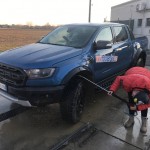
{"x":38,"y":128}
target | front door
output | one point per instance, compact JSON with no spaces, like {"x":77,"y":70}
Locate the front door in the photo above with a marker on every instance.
{"x":105,"y":59}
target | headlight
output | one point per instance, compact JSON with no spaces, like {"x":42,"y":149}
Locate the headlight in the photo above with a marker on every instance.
{"x":40,"y":73}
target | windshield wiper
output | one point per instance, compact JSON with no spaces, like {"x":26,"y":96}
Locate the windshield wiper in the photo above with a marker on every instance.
{"x":41,"y":42}
{"x":55,"y":44}
{"x":59,"y":44}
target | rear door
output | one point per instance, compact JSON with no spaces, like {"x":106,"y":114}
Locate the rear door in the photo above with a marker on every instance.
{"x":122,"y":47}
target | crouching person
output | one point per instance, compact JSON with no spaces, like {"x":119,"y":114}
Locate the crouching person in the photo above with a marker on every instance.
{"x":138,"y":87}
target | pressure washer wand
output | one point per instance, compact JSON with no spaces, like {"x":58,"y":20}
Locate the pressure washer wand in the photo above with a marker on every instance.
{"x":94,"y":83}
{"x":113,"y":94}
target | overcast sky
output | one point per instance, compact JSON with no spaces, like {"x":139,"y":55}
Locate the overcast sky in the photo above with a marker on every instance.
{"x":40,"y":12}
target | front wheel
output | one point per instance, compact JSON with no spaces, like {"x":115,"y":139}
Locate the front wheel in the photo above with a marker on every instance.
{"x":73,"y":102}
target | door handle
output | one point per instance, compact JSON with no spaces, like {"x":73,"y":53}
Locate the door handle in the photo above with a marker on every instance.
{"x":121,"y":48}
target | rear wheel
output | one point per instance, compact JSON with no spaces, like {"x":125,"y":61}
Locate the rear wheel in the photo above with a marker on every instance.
{"x":140,"y":62}
{"x":73,"y":102}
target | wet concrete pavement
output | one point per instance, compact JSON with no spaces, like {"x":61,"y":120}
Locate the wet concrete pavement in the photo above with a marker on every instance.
{"x":37,"y":128}
{"x":42,"y":128}
{"x":108,"y":115}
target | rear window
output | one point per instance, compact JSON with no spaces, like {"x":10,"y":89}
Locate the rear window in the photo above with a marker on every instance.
{"x":131,"y":33}
{"x":121,"y":33}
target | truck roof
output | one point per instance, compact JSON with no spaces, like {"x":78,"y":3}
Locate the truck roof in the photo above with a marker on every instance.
{"x":96,"y":24}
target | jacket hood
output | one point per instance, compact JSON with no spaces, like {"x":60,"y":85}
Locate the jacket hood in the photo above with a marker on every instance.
{"x":41,"y":55}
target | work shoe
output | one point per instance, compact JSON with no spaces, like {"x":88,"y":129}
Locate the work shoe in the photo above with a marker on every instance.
{"x":128,"y":123}
{"x":144,"y":124}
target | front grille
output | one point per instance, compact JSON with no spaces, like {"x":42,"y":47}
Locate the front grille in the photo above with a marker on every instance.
{"x":11,"y":75}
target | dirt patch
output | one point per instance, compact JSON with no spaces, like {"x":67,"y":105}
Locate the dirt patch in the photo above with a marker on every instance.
{"x":11,"y":38}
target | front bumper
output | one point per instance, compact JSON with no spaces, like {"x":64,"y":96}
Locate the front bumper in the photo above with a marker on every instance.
{"x":15,"y":99}
{"x":33,"y":96}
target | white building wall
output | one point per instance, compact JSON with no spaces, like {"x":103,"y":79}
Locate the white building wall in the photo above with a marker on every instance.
{"x":128,"y":10}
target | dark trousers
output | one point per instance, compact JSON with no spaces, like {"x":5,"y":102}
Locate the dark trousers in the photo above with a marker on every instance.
{"x":131,"y":112}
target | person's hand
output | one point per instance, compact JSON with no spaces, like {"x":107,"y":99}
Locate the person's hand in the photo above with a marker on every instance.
{"x":133,"y":107}
{"x":110,"y":93}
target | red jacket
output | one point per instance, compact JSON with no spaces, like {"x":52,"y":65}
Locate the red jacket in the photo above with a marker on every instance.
{"x":130,"y":82}
{"x":138,"y":70}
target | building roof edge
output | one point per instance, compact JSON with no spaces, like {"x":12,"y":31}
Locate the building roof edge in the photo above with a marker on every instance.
{"x":128,"y":2}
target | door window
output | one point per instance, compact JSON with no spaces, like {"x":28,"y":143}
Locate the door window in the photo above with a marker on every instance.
{"x":105,"y":35}
{"x":121,"y":34}
{"x":130,"y":33}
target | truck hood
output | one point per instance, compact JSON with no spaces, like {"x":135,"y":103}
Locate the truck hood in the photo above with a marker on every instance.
{"x":38,"y":55}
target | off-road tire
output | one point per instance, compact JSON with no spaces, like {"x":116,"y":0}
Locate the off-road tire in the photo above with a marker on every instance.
{"x":140,"y":62}
{"x":73,"y":102}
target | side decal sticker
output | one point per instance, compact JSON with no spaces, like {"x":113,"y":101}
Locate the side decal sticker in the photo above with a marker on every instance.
{"x":104,"y":58}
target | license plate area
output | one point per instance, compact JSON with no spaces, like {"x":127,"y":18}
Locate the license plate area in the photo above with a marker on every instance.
{"x":3,"y":87}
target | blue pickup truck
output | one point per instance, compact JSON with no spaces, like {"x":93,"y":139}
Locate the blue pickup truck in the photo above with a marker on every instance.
{"x":48,"y":71}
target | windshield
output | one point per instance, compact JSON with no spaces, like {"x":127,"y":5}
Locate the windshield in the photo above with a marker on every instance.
{"x":72,"y":36}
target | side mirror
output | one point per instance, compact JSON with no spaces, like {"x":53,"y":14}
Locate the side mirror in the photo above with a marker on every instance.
{"x":103,"y":45}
